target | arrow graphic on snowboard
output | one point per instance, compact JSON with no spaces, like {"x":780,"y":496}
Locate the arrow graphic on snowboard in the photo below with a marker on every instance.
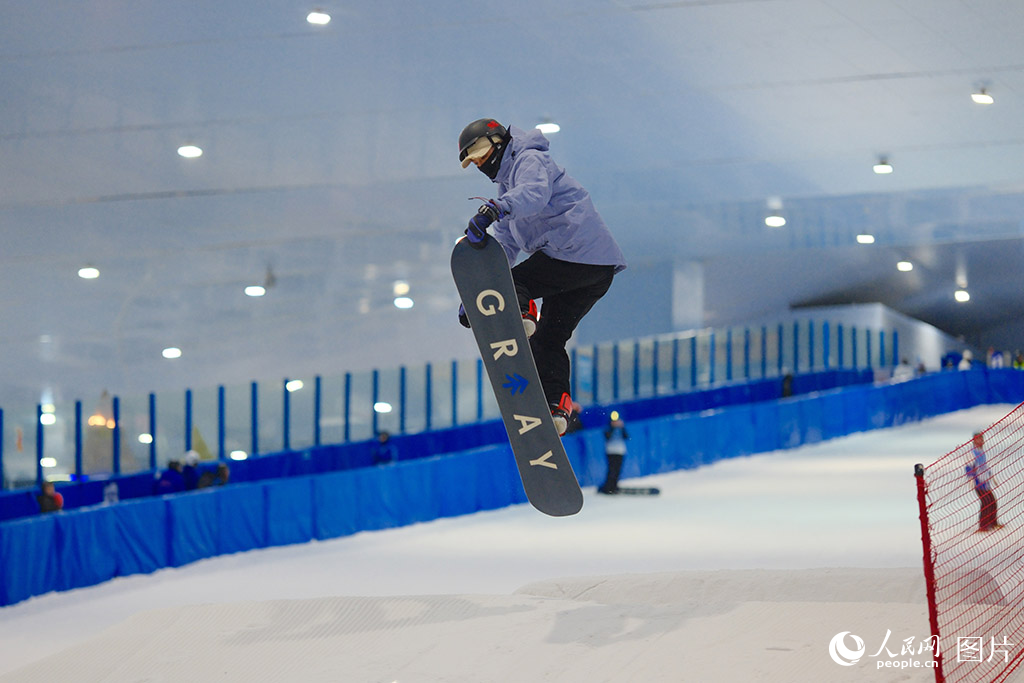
{"x":488,"y":295}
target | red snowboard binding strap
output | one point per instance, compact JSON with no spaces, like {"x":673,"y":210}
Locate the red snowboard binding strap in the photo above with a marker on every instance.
{"x":530,"y":317}
{"x":560,"y":413}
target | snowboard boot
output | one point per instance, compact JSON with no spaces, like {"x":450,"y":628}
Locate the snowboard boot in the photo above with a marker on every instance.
{"x":530,"y":318}
{"x":560,"y":413}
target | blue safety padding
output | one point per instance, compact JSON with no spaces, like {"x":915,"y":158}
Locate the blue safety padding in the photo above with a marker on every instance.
{"x":28,"y":553}
{"x":335,"y":498}
{"x":192,"y":526}
{"x":18,"y":504}
{"x":84,"y":540}
{"x":240,"y":517}
{"x":289,"y":511}
{"x":89,"y":545}
{"x":141,"y":542}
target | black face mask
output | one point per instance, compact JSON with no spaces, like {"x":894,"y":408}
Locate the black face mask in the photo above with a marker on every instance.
{"x":490,"y":167}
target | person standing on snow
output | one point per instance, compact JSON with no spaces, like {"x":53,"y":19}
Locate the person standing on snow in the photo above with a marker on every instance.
{"x":543,"y":212}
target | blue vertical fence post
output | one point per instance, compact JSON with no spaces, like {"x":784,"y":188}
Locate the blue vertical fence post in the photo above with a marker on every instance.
{"x":826,"y":345}
{"x":188,"y":419}
{"x":78,"y":441}
{"x":3,"y":480}
{"x":594,"y":376}
{"x":615,"y":372}
{"x":728,"y":355}
{"x":810,"y":346}
{"x":746,"y":353}
{"x":480,"y":387}
{"x":347,"y":406}
{"x":573,"y":371}
{"x":636,"y":369}
{"x":778,"y":348}
{"x":254,"y":418}
{"x":317,"y":397}
{"x":796,"y":347}
{"x":839,"y":345}
{"x":116,"y":450}
{"x":895,"y":348}
{"x":712,"y":357}
{"x":693,"y":361}
{"x":429,"y":402}
{"x":764,"y":351}
{"x":867,"y":338}
{"x":881,"y":348}
{"x":401,"y":399}
{"x":455,"y":392}
{"x":152,"y":431}
{"x":286,"y":415}
{"x":221,"y":418}
{"x":39,"y":444}
{"x":374,"y":399}
{"x":654,"y":369}
{"x":675,"y":364}
{"x":853,"y":346}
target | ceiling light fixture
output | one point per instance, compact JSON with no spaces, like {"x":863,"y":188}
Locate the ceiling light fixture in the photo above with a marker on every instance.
{"x":403,"y":302}
{"x":88,"y":273}
{"x":864,"y":238}
{"x":774,"y":220}
{"x":171,"y":352}
{"x":548,"y":127}
{"x":190,"y":151}
{"x":961,"y":295}
{"x":982,"y":97}
{"x":904,"y":266}
{"x":318,"y":17}
{"x":883,"y":166}
{"x":400,"y":288}
{"x":255,"y":290}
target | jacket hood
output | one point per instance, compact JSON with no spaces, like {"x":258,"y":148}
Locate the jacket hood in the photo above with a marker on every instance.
{"x":532,"y":139}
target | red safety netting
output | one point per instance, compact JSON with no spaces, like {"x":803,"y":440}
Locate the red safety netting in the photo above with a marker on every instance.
{"x":972,"y":514}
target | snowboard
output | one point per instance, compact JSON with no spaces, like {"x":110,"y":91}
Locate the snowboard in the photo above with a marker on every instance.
{"x":484,"y":281}
{"x":637,"y":491}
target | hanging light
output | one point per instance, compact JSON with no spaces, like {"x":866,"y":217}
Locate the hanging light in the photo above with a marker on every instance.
{"x":961,"y":295}
{"x":190,"y":152}
{"x":318,"y":17}
{"x":865,"y":238}
{"x":982,"y":97}
{"x":904,"y":266}
{"x":883,"y":166}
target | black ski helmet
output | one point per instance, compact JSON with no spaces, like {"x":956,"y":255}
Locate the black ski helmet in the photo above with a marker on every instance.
{"x":489,"y":128}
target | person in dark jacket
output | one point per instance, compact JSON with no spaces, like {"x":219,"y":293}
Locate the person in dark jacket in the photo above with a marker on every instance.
{"x":615,"y":437}
{"x":984,"y":484}
{"x":48,"y":498}
{"x":384,"y":452}
{"x":172,"y":480}
{"x":542,"y":211}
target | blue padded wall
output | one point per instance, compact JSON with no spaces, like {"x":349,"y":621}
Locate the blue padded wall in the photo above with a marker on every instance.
{"x":90,"y":545}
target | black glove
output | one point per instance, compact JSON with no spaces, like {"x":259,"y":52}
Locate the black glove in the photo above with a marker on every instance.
{"x":463,"y":318}
{"x":477,"y":230}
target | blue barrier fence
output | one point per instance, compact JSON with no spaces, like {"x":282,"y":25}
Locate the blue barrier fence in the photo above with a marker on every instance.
{"x":124,"y":435}
{"x":344,"y":456}
{"x":91,"y":545}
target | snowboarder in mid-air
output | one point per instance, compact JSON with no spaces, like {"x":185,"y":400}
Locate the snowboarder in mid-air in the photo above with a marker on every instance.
{"x":542,"y":211}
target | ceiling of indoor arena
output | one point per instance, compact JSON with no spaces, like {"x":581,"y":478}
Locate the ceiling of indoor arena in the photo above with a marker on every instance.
{"x":329,"y":171}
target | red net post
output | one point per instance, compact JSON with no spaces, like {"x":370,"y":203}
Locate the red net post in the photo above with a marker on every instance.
{"x":929,"y":568}
{"x":972,"y":528}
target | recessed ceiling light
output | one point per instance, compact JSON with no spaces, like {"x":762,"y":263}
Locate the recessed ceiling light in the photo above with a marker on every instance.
{"x":961,"y":295}
{"x":88,"y":273}
{"x":982,"y":97}
{"x":293,"y":385}
{"x":904,"y":266}
{"x":239,"y":455}
{"x":865,"y":239}
{"x":48,"y":462}
{"x":145,"y":438}
{"x":190,"y":151}
{"x":47,"y":419}
{"x":318,"y":17}
{"x":382,"y":407}
{"x":255,"y":290}
{"x":883,"y":166}
{"x":774,"y":221}
{"x":548,"y":127}
{"x":403,"y":302}
{"x":171,"y":352}
{"x":400,"y":288}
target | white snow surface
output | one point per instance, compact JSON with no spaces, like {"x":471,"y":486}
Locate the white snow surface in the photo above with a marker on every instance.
{"x":743,"y":570}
